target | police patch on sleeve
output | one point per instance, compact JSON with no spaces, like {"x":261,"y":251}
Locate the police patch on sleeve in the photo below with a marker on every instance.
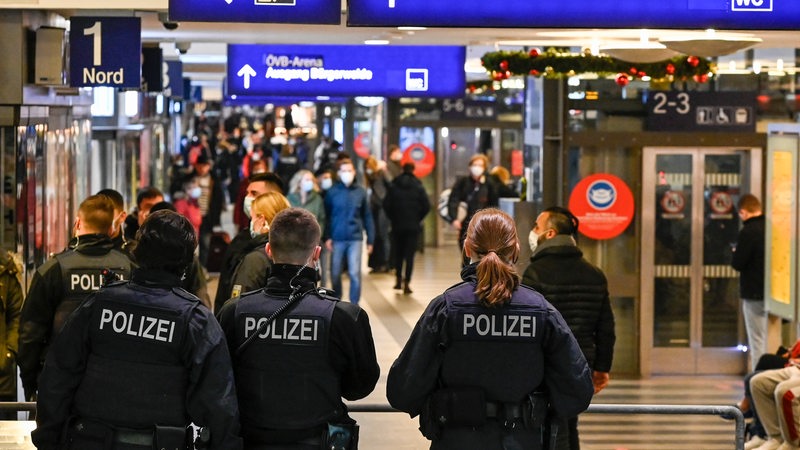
{"x":505,"y":326}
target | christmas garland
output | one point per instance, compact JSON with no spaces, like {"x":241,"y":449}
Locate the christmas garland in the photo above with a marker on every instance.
{"x":554,"y":64}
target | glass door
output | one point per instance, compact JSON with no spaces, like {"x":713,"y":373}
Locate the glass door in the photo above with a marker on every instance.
{"x":691,"y":313}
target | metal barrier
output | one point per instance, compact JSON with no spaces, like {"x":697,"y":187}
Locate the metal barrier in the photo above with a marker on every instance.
{"x":620,"y":409}
{"x":593,"y":409}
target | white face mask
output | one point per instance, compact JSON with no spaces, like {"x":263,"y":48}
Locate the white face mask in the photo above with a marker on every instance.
{"x":255,"y":232}
{"x":247,"y":205}
{"x":306,"y":185}
{"x":533,"y":240}
{"x":476,"y":171}
{"x":347,"y":177}
{"x":326,"y":184}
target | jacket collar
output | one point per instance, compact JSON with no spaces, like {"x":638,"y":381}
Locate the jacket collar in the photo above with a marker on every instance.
{"x":283,"y":277}
{"x":561,"y":243}
{"x":155,"y":278}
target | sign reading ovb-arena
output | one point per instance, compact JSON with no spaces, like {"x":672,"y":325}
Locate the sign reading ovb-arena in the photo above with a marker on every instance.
{"x":346,"y":70}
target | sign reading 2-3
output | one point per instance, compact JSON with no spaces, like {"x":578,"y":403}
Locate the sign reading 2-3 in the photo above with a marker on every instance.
{"x":105,"y":51}
{"x":701,"y":111}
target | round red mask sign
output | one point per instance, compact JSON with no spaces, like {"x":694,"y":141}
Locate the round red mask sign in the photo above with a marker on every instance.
{"x":423,"y":158}
{"x":604,"y":205}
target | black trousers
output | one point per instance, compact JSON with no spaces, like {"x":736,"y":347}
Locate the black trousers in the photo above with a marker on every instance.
{"x":404,"y":245}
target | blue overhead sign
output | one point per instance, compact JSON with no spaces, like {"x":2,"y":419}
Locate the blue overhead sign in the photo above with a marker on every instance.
{"x":346,"y":70}
{"x":172,"y":77}
{"x":258,"y":11}
{"x":677,"y":14}
{"x":105,"y":51}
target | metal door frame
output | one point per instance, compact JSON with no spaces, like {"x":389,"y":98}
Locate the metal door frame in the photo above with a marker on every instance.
{"x":693,"y":359}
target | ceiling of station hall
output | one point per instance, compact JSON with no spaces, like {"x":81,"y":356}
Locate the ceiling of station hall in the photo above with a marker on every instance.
{"x":204,"y":44}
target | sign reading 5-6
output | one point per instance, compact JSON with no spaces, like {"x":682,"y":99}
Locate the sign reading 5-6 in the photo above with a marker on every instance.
{"x":105,"y":51}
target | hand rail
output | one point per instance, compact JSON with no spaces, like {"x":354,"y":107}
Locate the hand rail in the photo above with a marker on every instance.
{"x":713,"y":410}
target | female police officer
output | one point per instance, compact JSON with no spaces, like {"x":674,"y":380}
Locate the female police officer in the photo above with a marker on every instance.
{"x":488,"y":355}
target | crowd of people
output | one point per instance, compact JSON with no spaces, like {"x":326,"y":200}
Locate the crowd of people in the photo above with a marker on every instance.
{"x":125,"y":314}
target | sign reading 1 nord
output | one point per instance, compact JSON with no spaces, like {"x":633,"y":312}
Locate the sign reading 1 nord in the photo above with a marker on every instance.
{"x":678,"y":14}
{"x":346,"y":70}
{"x":105,"y":51}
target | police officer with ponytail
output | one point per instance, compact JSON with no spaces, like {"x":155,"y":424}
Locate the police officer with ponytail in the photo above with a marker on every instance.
{"x":296,"y":350}
{"x":490,"y":363}
{"x":140,"y":360}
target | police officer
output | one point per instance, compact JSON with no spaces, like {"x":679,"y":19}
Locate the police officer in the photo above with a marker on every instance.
{"x":60,"y":284}
{"x":240,"y":246}
{"x":117,"y":232}
{"x":296,"y":351}
{"x":488,"y":355}
{"x":140,"y":359}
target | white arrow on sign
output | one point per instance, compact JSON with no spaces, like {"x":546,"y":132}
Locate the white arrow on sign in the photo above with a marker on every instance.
{"x":246,"y":71}
{"x":229,"y":1}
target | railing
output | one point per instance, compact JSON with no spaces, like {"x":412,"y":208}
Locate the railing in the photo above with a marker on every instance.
{"x":620,"y":409}
{"x":593,"y":409}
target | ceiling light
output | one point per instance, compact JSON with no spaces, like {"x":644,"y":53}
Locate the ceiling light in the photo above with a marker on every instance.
{"x":411,"y":28}
{"x":640,"y":52}
{"x":376,"y":42}
{"x":709,"y":46}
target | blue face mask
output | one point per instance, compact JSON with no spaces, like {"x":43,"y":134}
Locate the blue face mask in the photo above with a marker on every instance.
{"x":307,"y":185}
{"x":326,"y":184}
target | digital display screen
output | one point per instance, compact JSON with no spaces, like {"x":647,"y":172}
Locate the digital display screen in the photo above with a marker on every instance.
{"x":346,"y":70}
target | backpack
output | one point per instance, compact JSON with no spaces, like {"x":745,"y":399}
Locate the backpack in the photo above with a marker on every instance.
{"x":442,"y":207}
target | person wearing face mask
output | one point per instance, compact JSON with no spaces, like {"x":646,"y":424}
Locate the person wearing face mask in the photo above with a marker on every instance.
{"x":304,"y":193}
{"x":253,"y":270}
{"x":325,"y":181}
{"x":186,"y":204}
{"x":117,"y":233}
{"x":378,"y":184}
{"x":394,"y":166}
{"x":309,"y":347}
{"x":257,"y":184}
{"x":349,"y":216}
{"x":475,"y":191}
{"x":579,"y":291}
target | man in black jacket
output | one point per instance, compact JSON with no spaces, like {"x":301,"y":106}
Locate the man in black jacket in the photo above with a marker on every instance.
{"x":297,"y":351}
{"x":748,"y":259}
{"x":578,"y":290}
{"x":406,"y":204}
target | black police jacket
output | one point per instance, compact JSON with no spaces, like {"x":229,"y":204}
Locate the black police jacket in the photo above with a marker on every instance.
{"x":293,"y":375}
{"x":508,"y":351}
{"x":137,"y":354}
{"x":58,"y":286}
